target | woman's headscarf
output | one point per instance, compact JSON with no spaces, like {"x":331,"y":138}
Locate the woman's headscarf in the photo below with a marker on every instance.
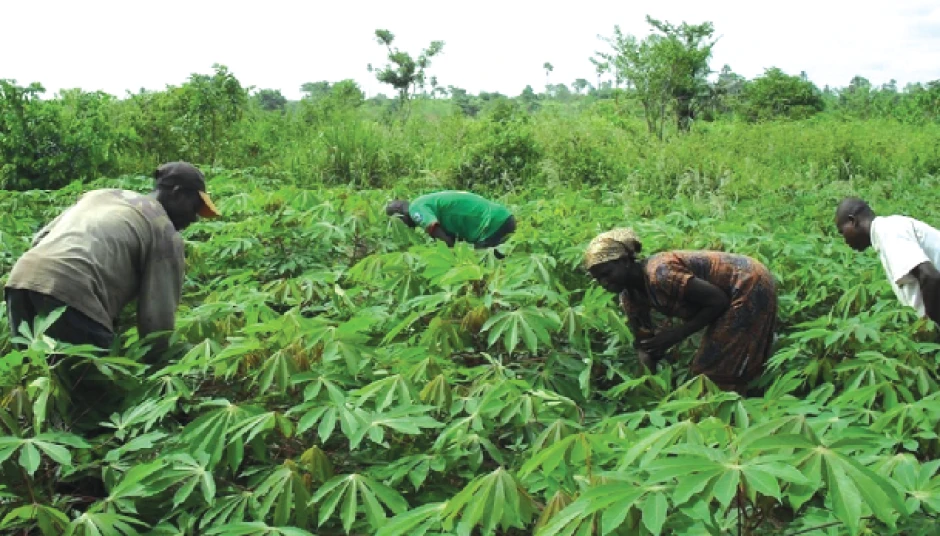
{"x":610,"y":246}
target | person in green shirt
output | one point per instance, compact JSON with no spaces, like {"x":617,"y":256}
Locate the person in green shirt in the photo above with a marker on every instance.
{"x":452,"y":215}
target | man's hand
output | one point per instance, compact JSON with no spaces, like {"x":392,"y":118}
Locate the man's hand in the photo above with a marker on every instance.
{"x":662,"y":341}
{"x":440,"y":234}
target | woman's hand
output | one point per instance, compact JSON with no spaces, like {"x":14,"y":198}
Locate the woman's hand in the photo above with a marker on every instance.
{"x":662,"y":341}
{"x":647,"y":360}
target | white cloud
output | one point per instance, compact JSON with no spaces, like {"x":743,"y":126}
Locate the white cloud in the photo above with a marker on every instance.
{"x":489,"y":45}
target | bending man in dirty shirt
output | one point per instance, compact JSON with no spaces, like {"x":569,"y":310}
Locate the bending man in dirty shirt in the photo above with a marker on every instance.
{"x":111,"y":247}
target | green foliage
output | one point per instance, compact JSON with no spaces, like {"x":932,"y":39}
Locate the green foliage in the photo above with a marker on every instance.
{"x":504,"y":154}
{"x":270,"y":99}
{"x":208,"y":106}
{"x":50,"y":143}
{"x":404,"y":73}
{"x":349,"y":376}
{"x":345,"y":375}
{"x":666,"y":69}
{"x":777,"y":94}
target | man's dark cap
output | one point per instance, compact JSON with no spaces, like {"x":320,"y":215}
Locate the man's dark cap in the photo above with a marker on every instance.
{"x":186,"y":175}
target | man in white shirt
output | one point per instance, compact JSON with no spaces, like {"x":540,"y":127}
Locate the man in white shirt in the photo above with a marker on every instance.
{"x":909,"y":250}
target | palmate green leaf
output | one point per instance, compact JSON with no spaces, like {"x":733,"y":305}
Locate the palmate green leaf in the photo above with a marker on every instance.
{"x":726,"y":486}
{"x":488,"y":501}
{"x":211,"y":432}
{"x":142,"y":442}
{"x":762,"y":482}
{"x":414,"y":522}
{"x":572,"y":451}
{"x":694,"y":484}
{"x":437,"y":393}
{"x":419,"y":307}
{"x":133,"y":485}
{"x":277,"y":370}
{"x":229,"y":509}
{"x":345,"y":342}
{"x":655,"y":509}
{"x":256,"y":528}
{"x":51,"y":521}
{"x":29,"y":457}
{"x":415,"y":468}
{"x":349,"y":488}
{"x":49,"y":443}
{"x":877,"y":492}
{"x":650,"y":445}
{"x":321,"y":388}
{"x":285,"y":490}
{"x":850,"y":485}
{"x":531,"y":325}
{"x":558,"y":502}
{"x":143,"y":415}
{"x":451,"y":267}
{"x":406,"y":420}
{"x":385,"y":392}
{"x":104,"y":524}
{"x":844,"y":496}
{"x":251,"y":427}
{"x":920,"y":484}
{"x":614,"y":499}
{"x":317,"y":463}
{"x":325,"y":415}
{"x":186,"y":472}
{"x":782,"y":441}
{"x":8,"y":446}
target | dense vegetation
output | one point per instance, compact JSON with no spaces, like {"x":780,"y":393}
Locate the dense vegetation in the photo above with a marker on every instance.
{"x":348,"y":376}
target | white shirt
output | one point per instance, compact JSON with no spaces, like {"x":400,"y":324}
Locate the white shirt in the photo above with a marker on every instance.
{"x":903,"y":243}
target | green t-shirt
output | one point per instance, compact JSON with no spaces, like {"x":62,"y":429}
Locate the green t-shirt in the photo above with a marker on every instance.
{"x":465,"y":215}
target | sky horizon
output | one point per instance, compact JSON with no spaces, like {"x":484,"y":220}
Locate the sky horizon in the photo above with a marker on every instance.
{"x":495,"y":46}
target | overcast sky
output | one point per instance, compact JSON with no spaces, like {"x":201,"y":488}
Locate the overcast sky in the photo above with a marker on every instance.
{"x":489,"y":45}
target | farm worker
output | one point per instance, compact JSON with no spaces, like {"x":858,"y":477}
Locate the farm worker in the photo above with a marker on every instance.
{"x":456,"y":215}
{"x":909,"y":251}
{"x":733,"y":295}
{"x":111,"y":247}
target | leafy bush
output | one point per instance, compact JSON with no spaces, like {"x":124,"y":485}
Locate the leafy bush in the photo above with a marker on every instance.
{"x":503,"y":151}
{"x":777,"y":94}
{"x":49,"y":143}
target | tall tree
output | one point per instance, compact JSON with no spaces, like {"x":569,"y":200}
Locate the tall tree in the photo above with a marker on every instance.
{"x":600,"y":67}
{"x":209,"y":106}
{"x":404,"y":73}
{"x":548,"y":71}
{"x":316,"y":90}
{"x":580,"y":85}
{"x":270,"y":99}
{"x":529,"y":99}
{"x":726,"y":92}
{"x":667,"y":69}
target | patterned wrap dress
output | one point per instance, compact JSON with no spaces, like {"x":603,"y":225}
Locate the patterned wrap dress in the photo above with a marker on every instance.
{"x":736,"y":346}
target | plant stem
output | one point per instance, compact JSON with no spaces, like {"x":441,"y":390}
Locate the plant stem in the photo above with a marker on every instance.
{"x":29,"y":486}
{"x":824,"y":525}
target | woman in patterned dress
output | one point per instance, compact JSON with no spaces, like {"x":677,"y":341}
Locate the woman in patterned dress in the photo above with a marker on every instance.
{"x":733,"y":295}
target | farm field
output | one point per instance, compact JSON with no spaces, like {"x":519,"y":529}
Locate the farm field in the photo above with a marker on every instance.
{"x":346,"y":375}
{"x":334,"y":372}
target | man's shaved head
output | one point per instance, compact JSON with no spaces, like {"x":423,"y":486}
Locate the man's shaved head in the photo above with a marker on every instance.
{"x":853,"y":207}
{"x":853,"y":220}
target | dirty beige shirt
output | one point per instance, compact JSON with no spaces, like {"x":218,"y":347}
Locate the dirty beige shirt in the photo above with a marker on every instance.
{"x":110,"y":247}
